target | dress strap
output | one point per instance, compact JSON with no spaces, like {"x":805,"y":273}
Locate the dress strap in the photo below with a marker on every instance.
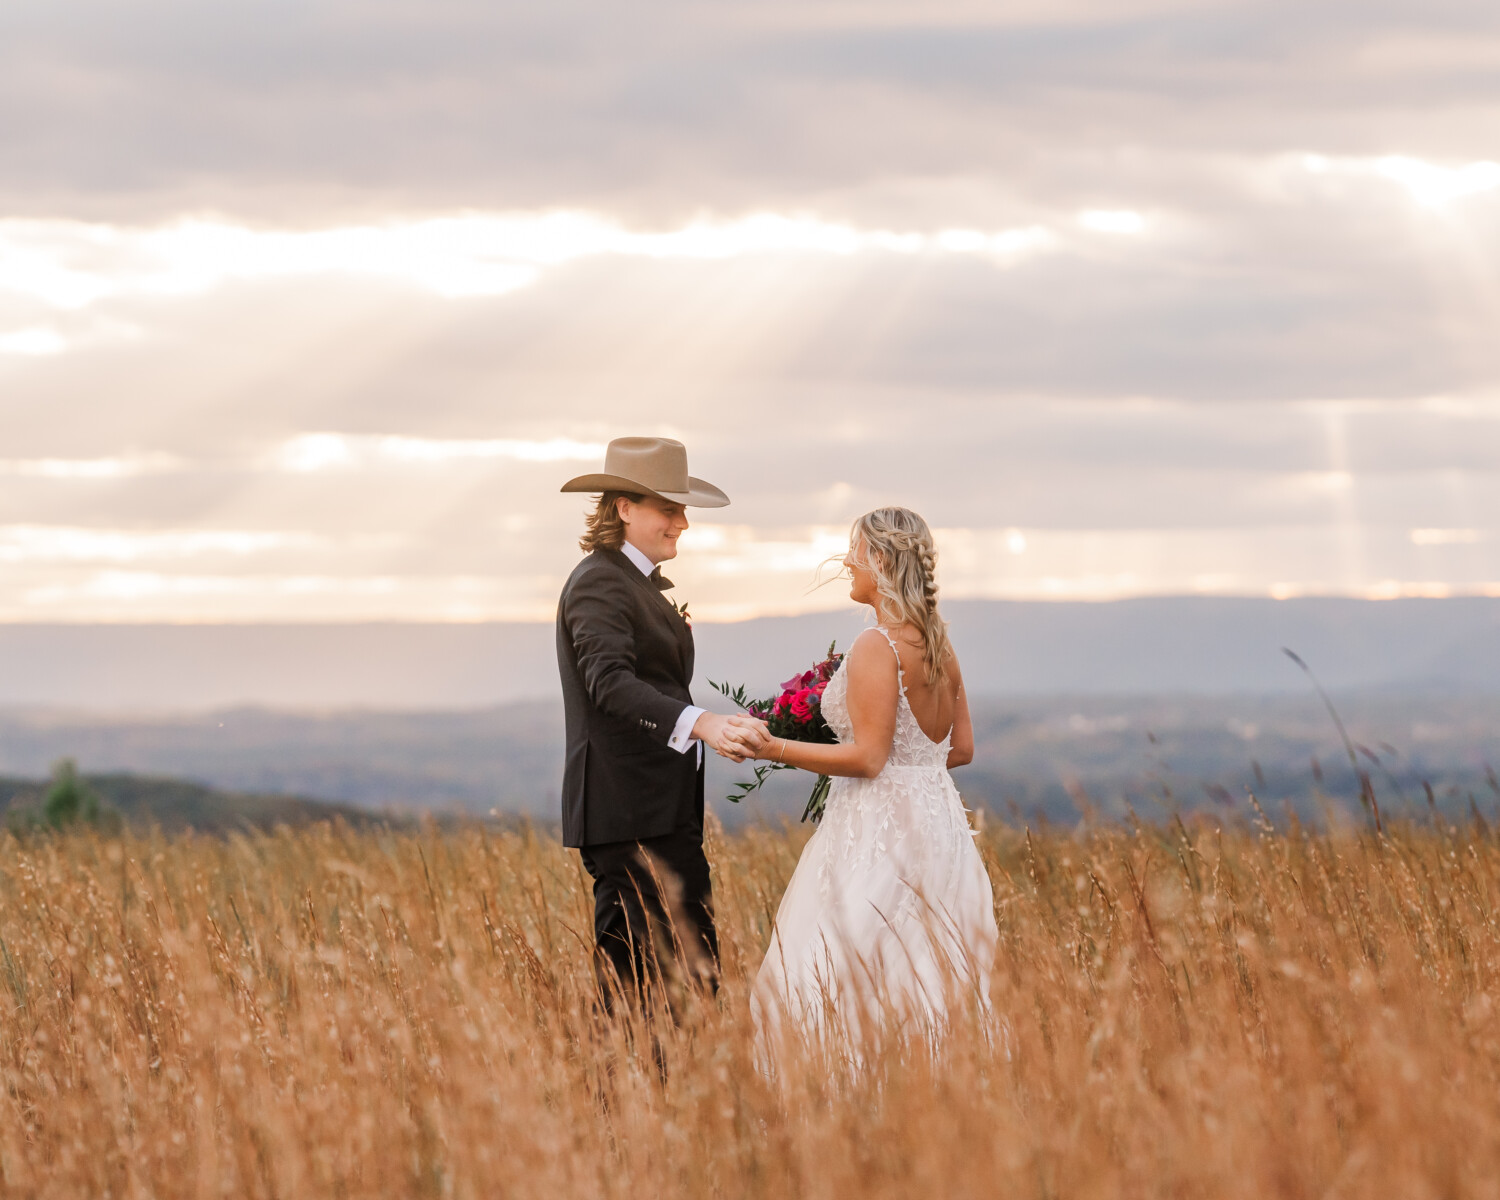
{"x":900,"y":675}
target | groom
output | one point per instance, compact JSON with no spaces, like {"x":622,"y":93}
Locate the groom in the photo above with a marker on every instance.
{"x":632,"y":797}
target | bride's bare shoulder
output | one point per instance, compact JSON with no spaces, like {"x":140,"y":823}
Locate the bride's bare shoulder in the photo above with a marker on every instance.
{"x":866,"y":644}
{"x":871,"y":654}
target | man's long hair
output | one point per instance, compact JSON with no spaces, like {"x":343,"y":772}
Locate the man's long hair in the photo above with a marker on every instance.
{"x":603,"y":529}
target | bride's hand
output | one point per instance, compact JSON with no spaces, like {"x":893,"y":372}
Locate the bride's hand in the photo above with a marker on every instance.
{"x":745,"y":737}
{"x":768,"y":750}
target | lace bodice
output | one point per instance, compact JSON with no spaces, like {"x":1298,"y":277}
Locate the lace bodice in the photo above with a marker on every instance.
{"x":910,"y":747}
{"x":910,"y":808}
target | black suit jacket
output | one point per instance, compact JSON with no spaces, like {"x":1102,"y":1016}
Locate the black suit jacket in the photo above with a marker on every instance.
{"x":626,"y":659}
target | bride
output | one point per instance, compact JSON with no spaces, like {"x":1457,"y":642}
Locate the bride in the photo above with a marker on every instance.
{"x":889,"y":913}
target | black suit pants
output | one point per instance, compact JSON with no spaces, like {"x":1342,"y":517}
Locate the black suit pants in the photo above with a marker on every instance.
{"x":653,"y":915}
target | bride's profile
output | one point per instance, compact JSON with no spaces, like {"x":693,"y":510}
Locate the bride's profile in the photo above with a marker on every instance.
{"x":889,"y":910}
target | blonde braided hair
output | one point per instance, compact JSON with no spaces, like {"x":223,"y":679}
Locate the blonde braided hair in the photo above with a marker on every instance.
{"x":899,"y":551}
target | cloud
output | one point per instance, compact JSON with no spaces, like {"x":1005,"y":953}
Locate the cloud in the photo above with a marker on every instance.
{"x":1125,"y":297}
{"x":1112,"y":221}
{"x":38,"y":339}
{"x":122,"y":467}
{"x":1430,"y":184}
{"x":663,"y":109}
{"x":38,"y":543}
{"x":1448,"y":537}
{"x":309,"y":452}
{"x":74,"y":265}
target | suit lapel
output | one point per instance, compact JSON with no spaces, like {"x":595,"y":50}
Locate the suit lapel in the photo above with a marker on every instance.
{"x":658,"y":604}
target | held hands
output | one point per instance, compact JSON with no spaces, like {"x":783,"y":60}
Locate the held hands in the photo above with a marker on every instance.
{"x":749,"y":738}
{"x":736,"y":738}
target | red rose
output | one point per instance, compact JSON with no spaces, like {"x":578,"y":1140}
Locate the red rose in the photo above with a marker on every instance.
{"x":801,"y":704}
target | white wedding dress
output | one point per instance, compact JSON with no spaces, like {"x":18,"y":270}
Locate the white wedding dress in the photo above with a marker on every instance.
{"x":889,"y":914}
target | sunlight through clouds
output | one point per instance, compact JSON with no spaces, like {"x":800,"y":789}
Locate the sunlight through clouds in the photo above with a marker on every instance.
{"x":1112,"y":221}
{"x":1428,"y":183}
{"x":126,"y":467}
{"x":1448,"y":537}
{"x":731,"y":550}
{"x":310,"y":317}
{"x":70,"y":265}
{"x":48,"y":543}
{"x":160,"y":596}
{"x":1434,"y":185}
{"x":311,"y":452}
{"x":790,"y":570}
{"x":35,"y":341}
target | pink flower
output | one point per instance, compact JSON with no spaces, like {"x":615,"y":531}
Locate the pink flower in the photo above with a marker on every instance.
{"x":801,"y":704}
{"x":791,"y":685}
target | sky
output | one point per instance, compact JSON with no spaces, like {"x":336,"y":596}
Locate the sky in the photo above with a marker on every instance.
{"x":307,"y":310}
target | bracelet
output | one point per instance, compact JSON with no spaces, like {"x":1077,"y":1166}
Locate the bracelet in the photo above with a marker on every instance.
{"x":782,"y":756}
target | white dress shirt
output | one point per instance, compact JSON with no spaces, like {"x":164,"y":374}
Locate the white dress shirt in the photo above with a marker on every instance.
{"x":682,"y":732}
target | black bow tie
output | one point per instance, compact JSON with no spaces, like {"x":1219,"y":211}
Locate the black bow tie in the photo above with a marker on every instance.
{"x":660,"y":580}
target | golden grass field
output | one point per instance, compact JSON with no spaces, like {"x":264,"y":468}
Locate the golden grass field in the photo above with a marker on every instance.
{"x":341,"y":1013}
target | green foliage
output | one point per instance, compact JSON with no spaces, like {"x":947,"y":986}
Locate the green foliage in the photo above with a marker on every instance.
{"x":69,"y":803}
{"x":69,"y":799}
{"x":736,"y":696}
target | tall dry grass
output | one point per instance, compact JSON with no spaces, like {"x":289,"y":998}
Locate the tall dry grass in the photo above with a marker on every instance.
{"x":332,"y":1013}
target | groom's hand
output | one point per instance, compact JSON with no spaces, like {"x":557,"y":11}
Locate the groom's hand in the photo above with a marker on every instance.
{"x":732,"y":737}
{"x":748,"y":735}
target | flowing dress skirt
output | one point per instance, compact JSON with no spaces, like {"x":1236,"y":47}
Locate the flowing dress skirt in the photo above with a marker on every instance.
{"x":889,"y":917}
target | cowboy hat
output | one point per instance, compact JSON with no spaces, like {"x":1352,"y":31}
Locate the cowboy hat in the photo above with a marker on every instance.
{"x":655,"y":466}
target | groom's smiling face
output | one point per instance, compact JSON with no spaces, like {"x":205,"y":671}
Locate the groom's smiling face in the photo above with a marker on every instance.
{"x":652,"y":526}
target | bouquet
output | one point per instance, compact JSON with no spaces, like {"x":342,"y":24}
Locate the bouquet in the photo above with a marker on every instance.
{"x":796,"y":715}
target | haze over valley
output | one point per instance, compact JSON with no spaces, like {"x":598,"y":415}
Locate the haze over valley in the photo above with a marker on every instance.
{"x":1148,"y":704}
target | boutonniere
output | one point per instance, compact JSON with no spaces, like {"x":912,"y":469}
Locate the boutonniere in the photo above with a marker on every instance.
{"x":681,"y":611}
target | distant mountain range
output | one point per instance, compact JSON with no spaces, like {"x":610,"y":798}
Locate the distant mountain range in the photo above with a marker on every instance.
{"x":1035,"y":756}
{"x":1135,"y":704}
{"x":1201,"y":645}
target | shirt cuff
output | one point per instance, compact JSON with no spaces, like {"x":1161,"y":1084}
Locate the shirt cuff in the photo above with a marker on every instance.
{"x":682,"y":733}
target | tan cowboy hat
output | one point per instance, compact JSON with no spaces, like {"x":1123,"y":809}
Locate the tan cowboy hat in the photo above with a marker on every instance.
{"x":656,"y":466}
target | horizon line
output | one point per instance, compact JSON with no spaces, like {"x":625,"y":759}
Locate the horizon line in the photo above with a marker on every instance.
{"x":1369,"y":596}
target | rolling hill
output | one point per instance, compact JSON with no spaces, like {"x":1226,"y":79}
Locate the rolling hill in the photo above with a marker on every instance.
{"x":174,"y":805}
